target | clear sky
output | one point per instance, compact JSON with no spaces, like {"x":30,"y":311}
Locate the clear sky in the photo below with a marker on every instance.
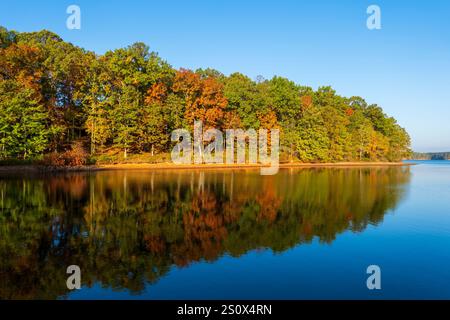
{"x":404,"y":67}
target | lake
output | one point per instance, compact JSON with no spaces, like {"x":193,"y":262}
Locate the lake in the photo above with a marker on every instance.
{"x":230,"y":234}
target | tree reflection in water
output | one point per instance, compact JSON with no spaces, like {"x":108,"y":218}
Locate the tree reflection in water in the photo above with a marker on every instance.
{"x":126,"y":229}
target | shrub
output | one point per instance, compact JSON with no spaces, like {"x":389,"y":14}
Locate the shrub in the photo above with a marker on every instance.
{"x":76,"y":156}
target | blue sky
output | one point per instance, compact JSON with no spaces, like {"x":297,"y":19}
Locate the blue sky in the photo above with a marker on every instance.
{"x":404,"y":67}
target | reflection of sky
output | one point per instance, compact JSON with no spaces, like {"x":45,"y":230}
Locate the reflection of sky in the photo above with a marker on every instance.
{"x":403,"y":67}
{"x":410,"y":245}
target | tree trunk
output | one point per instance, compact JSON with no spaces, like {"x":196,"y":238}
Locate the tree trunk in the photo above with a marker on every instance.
{"x":200,"y":153}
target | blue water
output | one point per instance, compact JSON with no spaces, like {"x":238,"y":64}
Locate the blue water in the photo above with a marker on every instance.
{"x":414,"y":259}
{"x":411,"y":246}
{"x":406,"y":233}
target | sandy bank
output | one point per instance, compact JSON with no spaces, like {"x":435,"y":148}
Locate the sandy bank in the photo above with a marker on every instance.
{"x":171,"y":166}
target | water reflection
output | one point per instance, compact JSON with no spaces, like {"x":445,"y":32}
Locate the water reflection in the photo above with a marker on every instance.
{"x":126,"y":229}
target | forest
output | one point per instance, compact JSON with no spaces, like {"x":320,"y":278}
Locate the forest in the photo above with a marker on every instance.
{"x":64,"y":105}
{"x":430,"y":156}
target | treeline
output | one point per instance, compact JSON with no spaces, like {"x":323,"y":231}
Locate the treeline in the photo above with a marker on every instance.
{"x":430,"y":156}
{"x":56,"y":98}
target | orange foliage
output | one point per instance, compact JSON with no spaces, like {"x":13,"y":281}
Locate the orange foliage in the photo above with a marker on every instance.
{"x":204,"y":98}
{"x":232,"y":120}
{"x":306,"y":101}
{"x":76,"y":156}
{"x":205,"y":229}
{"x":22,"y":62}
{"x":75,"y":185}
{"x":156,"y":93}
{"x":269,"y":202}
{"x":268,"y":120}
{"x":349,"y":112}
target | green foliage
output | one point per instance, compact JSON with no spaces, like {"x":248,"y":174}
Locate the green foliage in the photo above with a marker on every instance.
{"x":430,"y":156}
{"x":241,"y":93}
{"x":312,"y":143}
{"x":54,"y":93}
{"x":6,"y":37}
{"x":23,"y":133}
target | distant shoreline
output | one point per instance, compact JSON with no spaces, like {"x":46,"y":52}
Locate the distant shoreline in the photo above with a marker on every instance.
{"x":170,"y":166}
{"x":428,"y":160}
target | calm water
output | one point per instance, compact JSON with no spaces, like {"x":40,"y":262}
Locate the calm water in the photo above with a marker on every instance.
{"x":304,"y":233}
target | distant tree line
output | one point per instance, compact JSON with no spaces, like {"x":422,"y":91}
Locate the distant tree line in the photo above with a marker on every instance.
{"x":430,"y":155}
{"x":54,"y":95}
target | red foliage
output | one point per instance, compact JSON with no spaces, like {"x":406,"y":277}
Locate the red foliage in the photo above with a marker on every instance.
{"x":204,"y":98}
{"x":349,"y":112}
{"x":75,"y":157}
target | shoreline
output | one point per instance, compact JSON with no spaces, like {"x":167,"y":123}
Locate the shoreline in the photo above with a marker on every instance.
{"x":170,"y":166}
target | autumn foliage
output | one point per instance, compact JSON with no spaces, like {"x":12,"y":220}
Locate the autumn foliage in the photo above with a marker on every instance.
{"x":53,"y":93}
